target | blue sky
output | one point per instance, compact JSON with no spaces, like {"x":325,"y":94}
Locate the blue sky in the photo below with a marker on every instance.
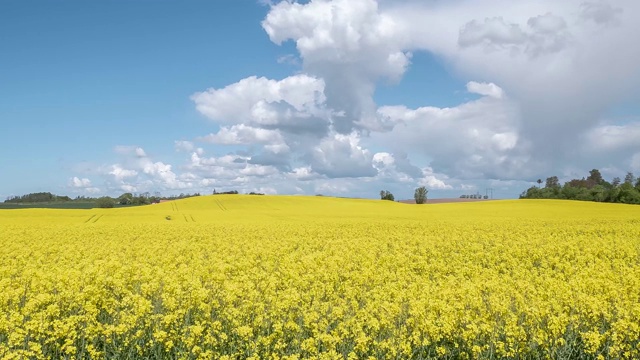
{"x":335,"y":97}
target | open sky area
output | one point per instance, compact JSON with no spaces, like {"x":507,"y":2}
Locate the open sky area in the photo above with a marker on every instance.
{"x":343,"y":97}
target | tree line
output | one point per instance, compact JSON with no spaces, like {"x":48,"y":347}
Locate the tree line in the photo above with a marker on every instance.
{"x":592,"y":188}
{"x":419,"y":195}
{"x":40,"y":197}
{"x":126,"y":199}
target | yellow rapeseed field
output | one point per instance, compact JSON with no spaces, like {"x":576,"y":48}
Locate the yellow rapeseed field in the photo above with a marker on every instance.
{"x":285,"y":277}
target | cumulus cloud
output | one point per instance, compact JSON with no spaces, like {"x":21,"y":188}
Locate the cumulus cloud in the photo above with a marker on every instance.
{"x":130,"y":150}
{"x":476,"y":139}
{"x":600,"y":12}
{"x":80,"y":183}
{"x":304,"y":173}
{"x":342,"y":156}
{"x":560,"y":65}
{"x":613,"y":137}
{"x":294,"y":104}
{"x":433,"y":181}
{"x":493,"y":33}
{"x":485,"y":89}
{"x":244,"y":135}
{"x":547,"y":72}
{"x":545,"y":34}
{"x":83,"y":184}
{"x":349,"y":44}
{"x":183,"y":145}
{"x":120,"y":173}
{"x":138,"y":172}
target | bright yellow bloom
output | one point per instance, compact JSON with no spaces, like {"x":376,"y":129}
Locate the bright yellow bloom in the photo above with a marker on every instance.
{"x":314,"y":277}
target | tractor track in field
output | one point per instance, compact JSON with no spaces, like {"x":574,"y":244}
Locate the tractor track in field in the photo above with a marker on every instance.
{"x":188,"y":218}
{"x":222,"y":207}
{"x":89,"y":219}
{"x":96,"y":219}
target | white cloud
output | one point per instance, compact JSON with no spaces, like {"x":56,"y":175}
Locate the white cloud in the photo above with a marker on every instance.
{"x":473,"y":140}
{"x":342,"y":156}
{"x":83,"y":184}
{"x":613,"y":137}
{"x":80,"y":183}
{"x":130,"y":150}
{"x":184,"y":146}
{"x":350,"y":45}
{"x":600,"y":12}
{"x":560,"y":66}
{"x":431,"y":182}
{"x":334,"y":187}
{"x":128,"y":188}
{"x":546,"y":34}
{"x":120,"y":173}
{"x":141,"y":173}
{"x":304,"y":174}
{"x":294,"y":104}
{"x":245,"y":135}
{"x":485,"y":89}
{"x":382,"y":160}
{"x":493,"y":33}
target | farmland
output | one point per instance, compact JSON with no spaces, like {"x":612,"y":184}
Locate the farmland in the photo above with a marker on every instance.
{"x":287,"y":277}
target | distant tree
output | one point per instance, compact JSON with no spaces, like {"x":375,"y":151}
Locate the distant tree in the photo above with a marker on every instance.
{"x":105,"y":202}
{"x":531,"y":193}
{"x":140,"y":200}
{"x":125,"y":199}
{"x":552,"y":182}
{"x":386,"y":195}
{"x":232,"y":192}
{"x":592,"y":188}
{"x":613,"y":194}
{"x":41,"y":197}
{"x":595,"y":177}
{"x":539,"y":182}
{"x":615,"y":182}
{"x":629,"y":178}
{"x":628,"y":194}
{"x":420,"y":195}
{"x":599,"y":193}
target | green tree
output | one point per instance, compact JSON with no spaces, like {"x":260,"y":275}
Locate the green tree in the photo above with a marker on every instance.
{"x":125,"y":199}
{"x":615,"y":182}
{"x":599,"y":193}
{"x":105,"y":202}
{"x":552,"y":182}
{"x":140,"y":200}
{"x":628,"y":194}
{"x":593,"y":188}
{"x":420,"y":195}
{"x":629,"y":178}
{"x":386,"y":195}
{"x":595,"y":177}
